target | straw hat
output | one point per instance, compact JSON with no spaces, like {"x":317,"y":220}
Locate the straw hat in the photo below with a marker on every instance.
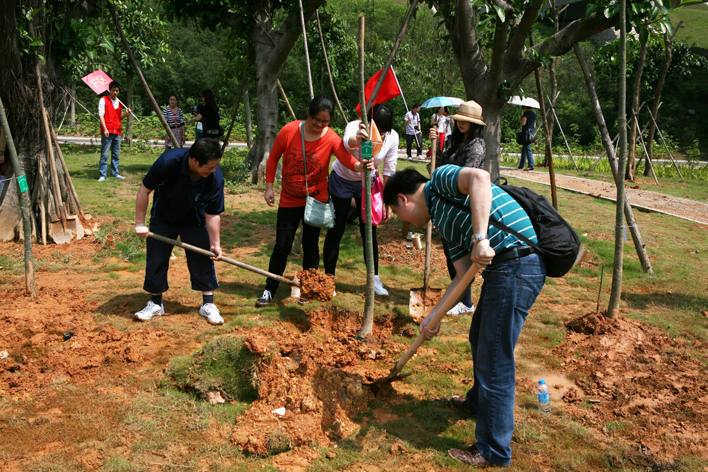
{"x":469,"y":111}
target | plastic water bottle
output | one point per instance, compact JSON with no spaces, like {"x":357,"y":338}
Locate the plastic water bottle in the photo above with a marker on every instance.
{"x":409,"y":240}
{"x":544,"y":399}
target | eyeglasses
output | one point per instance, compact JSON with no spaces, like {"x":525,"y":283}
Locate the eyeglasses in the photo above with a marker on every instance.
{"x":320,"y":122}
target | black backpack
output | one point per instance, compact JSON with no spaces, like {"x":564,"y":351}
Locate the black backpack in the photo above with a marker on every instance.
{"x":558,"y":243}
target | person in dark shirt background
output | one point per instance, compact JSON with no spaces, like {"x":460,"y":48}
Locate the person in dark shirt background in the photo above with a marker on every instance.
{"x":528,"y":122}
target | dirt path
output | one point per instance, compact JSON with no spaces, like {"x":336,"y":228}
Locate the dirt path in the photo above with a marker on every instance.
{"x":644,"y":199}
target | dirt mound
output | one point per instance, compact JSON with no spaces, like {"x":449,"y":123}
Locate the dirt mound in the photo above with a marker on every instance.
{"x":631,"y":370}
{"x":316,"y":285}
{"x":593,"y":324}
{"x":51,"y":339}
{"x":321,"y":386}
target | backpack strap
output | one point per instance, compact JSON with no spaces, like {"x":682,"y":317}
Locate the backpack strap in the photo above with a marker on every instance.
{"x":497,"y":224}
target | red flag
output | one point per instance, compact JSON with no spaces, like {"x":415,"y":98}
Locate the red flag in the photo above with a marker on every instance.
{"x":98,"y":81}
{"x":388,"y":90}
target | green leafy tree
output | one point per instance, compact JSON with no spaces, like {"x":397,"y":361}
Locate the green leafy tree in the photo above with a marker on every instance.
{"x":489,"y":42}
{"x":270,"y":29}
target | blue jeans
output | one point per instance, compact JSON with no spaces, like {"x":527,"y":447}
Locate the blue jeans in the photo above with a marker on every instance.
{"x":508,"y":292}
{"x":112,"y":144}
{"x":526,"y":152}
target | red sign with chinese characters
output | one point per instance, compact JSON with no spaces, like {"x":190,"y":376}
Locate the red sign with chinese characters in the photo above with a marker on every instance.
{"x":98,"y":81}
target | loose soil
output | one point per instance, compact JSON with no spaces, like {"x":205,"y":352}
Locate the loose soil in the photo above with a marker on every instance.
{"x":313,"y":366}
{"x":316,"y":285}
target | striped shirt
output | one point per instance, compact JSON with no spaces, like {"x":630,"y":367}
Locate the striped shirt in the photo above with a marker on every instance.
{"x":455,"y":225}
{"x":173,"y":120}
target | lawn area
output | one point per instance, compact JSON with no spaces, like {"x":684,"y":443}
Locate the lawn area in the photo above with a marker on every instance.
{"x":120,"y":395}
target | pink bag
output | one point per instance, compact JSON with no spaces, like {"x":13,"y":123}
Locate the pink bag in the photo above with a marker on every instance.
{"x":377,"y":203}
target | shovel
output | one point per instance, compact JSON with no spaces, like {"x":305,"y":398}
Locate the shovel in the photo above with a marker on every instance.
{"x":448,"y":301}
{"x":204,"y":252}
{"x":420,"y":299}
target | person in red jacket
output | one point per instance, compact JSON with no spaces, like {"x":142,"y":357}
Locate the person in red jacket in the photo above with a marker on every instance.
{"x":110,"y":112}
{"x":320,"y":143}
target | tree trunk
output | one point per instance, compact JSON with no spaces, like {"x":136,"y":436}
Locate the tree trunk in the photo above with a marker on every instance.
{"x":632,"y":139}
{"x":271,"y":50}
{"x":657,"y":100}
{"x":72,"y":107}
{"x":247,"y":117}
{"x":613,"y":309}
{"x":610,"y":151}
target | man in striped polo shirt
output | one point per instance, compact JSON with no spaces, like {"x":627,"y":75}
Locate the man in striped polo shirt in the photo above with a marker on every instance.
{"x":460,"y":202}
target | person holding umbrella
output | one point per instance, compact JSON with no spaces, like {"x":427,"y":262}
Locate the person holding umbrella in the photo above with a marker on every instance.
{"x":528,"y":122}
{"x":467,"y":149}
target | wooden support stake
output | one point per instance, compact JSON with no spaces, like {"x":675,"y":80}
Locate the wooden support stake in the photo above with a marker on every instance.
{"x":329,"y":70}
{"x":661,"y":135}
{"x":307,"y":54}
{"x":139,"y":73}
{"x":609,"y":147}
{"x":72,"y":191}
{"x":646,"y":153}
{"x":285,"y":99}
{"x":23,"y":196}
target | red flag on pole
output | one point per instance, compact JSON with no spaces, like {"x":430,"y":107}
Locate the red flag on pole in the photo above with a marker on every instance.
{"x":98,"y":81}
{"x":389,"y":89}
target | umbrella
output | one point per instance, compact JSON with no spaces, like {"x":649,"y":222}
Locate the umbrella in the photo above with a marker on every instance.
{"x":437,"y":102}
{"x":526,"y":102}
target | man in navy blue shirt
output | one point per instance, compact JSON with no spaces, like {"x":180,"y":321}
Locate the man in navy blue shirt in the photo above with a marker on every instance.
{"x":188,"y":201}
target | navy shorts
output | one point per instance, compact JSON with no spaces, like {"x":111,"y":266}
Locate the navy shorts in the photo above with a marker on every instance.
{"x":201,"y":268}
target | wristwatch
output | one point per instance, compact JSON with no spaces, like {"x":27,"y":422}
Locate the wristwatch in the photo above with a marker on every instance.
{"x":478,"y":237}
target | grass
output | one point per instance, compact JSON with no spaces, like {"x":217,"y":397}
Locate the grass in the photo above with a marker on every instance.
{"x":695,"y":24}
{"x":160,"y":426}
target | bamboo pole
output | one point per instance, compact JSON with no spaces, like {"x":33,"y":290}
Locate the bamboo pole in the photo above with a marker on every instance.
{"x":548,"y":149}
{"x":367,"y":323}
{"x":54,"y":178}
{"x":285,"y":99}
{"x":307,"y":54}
{"x":663,"y":141}
{"x":24,"y":202}
{"x":610,"y":149}
{"x":139,"y":73}
{"x":646,"y":153}
{"x":429,"y":226}
{"x":72,"y":191}
{"x":392,"y":55}
{"x":553,"y":109}
{"x":329,"y":70}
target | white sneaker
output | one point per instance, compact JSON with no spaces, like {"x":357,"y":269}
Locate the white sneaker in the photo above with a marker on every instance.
{"x":211,"y":313}
{"x":118,"y":176}
{"x":460,"y":309}
{"x":379,"y":288}
{"x":149,"y":311}
{"x":101,"y":178}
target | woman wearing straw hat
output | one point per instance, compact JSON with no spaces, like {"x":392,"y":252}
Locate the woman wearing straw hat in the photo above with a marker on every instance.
{"x":466,"y":149}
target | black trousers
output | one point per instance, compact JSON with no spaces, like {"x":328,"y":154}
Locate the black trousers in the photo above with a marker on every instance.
{"x":334,"y":235}
{"x":201,"y":268}
{"x":409,"y":139}
{"x":289,"y":219}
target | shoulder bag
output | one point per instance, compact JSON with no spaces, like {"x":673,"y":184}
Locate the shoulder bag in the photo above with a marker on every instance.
{"x":318,"y":214}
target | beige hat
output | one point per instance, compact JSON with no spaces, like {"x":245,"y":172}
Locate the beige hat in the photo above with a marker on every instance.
{"x":469,"y":111}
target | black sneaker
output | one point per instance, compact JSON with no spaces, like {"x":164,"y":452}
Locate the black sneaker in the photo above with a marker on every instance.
{"x":460,"y":404}
{"x":265,"y":299}
{"x":303,"y":301}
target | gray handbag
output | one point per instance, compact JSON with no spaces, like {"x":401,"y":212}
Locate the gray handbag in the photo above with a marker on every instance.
{"x":318,"y":214}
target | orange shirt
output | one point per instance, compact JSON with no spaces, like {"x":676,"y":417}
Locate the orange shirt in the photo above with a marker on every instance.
{"x":288,"y":144}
